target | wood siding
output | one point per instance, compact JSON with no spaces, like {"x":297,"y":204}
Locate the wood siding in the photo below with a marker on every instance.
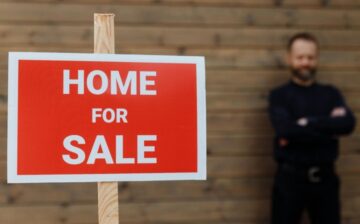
{"x":243,"y":42}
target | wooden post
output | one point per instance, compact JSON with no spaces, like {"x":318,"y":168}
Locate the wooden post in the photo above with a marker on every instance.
{"x":104,"y":36}
{"x":104,"y":42}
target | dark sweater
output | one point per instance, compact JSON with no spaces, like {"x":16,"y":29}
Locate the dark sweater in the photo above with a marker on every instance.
{"x":317,"y":143}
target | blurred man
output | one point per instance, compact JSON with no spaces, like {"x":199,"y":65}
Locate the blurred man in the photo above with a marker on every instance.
{"x":308,"y":118}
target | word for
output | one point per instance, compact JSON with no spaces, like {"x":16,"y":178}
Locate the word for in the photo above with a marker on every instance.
{"x":109,"y":115}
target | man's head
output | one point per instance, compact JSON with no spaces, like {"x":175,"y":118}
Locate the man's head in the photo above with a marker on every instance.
{"x":302,"y":56}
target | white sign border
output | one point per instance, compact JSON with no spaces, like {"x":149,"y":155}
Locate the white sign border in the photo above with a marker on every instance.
{"x":14,"y":177}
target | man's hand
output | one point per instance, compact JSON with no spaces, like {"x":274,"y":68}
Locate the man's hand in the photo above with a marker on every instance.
{"x":302,"y":122}
{"x":283,"y":142}
{"x":338,"y":112}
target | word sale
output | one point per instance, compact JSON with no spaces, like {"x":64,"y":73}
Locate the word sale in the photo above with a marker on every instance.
{"x":100,"y":150}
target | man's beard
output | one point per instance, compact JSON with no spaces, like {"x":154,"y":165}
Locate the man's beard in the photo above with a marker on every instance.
{"x":307,"y":75}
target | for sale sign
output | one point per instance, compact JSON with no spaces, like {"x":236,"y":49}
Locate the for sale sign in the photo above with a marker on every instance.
{"x":105,"y":117}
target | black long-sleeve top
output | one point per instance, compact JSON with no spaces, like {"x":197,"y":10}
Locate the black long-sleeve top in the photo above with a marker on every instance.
{"x":317,"y":142}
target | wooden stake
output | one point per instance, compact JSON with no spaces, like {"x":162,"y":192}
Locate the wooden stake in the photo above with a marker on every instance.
{"x":108,"y":205}
{"x":104,"y":42}
{"x":104,"y":37}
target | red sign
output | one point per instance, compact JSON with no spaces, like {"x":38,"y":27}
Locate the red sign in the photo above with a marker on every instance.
{"x":98,"y":117}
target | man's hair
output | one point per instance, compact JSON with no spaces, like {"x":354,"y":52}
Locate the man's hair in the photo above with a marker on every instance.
{"x":301,"y":36}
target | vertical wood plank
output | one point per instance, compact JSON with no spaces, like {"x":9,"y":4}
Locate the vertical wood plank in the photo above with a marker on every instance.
{"x":104,"y":37}
{"x":104,"y":42}
{"x":108,"y":205}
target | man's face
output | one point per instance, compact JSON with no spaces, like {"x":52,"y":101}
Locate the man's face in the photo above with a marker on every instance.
{"x":302,"y":59}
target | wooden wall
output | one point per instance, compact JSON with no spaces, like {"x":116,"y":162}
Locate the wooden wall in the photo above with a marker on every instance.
{"x":243,"y":41}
